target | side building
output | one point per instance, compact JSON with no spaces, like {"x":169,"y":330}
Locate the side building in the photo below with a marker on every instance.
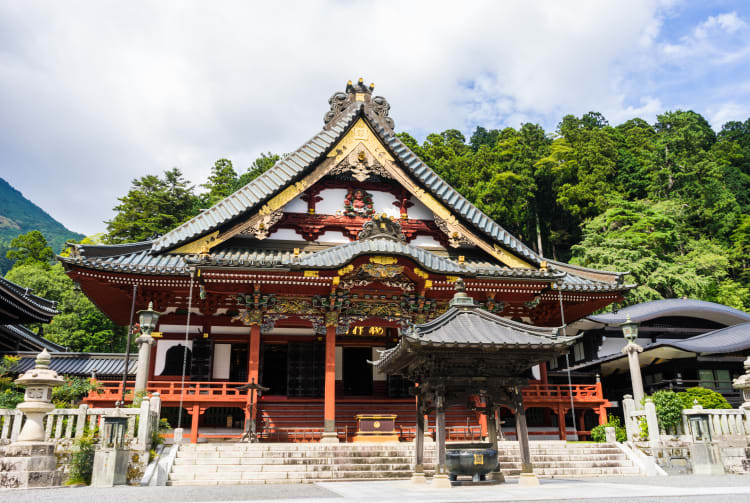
{"x":301,"y":278}
{"x":686,"y":343}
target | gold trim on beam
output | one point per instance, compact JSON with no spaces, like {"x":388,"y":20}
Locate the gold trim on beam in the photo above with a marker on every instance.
{"x":200,"y":245}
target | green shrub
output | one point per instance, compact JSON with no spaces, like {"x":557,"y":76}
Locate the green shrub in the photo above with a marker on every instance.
{"x":598,"y":434}
{"x":668,"y":409}
{"x":82,"y":461}
{"x":72,"y":391}
{"x":707,"y":398}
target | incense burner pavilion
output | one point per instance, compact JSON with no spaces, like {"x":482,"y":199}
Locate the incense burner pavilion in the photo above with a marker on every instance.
{"x":304,"y":277}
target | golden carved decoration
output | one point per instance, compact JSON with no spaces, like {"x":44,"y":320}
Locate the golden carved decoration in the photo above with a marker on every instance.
{"x":360,"y":133}
{"x":311,"y":274}
{"x":419,"y":272}
{"x":383,"y":259}
{"x":283,"y":197}
{"x":346,"y":269}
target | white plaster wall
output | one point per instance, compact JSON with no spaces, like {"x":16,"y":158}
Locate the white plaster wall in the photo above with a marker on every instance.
{"x":376,"y":374}
{"x":286,"y":234}
{"x":296,"y":205}
{"x":332,"y":203}
{"x":161,"y":351}
{"x":339,"y":363}
{"x":222,"y":355}
{"x":426,"y":241}
{"x":535,"y":372}
{"x":419,"y":211}
{"x":333,"y":237}
{"x":382,"y":202}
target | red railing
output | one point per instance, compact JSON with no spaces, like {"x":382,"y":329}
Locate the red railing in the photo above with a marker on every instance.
{"x":172,"y":391}
{"x":228,"y":392}
{"x":556,"y":392}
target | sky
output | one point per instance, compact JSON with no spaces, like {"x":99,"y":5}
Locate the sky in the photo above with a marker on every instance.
{"x":95,"y":94}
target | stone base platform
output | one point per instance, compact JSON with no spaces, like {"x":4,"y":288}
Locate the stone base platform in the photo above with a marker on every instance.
{"x":29,"y":465}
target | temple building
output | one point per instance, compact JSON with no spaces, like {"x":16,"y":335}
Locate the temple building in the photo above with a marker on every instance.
{"x":300,"y":279}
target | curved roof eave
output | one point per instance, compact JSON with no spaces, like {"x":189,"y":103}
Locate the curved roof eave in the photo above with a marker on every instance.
{"x":646,"y":311}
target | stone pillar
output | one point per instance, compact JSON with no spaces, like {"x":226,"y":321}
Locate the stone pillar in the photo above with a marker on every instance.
{"x":329,"y":410}
{"x":652,"y":422}
{"x":418,"y":475}
{"x":631,"y":427}
{"x":144,"y":359}
{"x":440,"y":480}
{"x":528,"y":478}
{"x":632,"y":349}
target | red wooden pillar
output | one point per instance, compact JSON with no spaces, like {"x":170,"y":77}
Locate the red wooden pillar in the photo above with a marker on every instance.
{"x":602,"y":411}
{"x":195,"y":414}
{"x":543,"y":372}
{"x":329,"y":411}
{"x":561,"y":423}
{"x":253,"y":362}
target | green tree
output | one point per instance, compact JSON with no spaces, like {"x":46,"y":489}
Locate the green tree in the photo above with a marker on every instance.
{"x":30,"y":248}
{"x":152,"y":207}
{"x":668,"y":409}
{"x":262,"y":164}
{"x":221,"y":182}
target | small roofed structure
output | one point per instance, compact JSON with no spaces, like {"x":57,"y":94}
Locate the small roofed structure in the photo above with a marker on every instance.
{"x":469,"y":352}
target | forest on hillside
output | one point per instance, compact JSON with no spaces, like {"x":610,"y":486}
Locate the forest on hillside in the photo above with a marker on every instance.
{"x":669,"y":202}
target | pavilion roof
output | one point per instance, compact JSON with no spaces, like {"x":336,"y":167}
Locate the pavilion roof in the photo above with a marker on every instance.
{"x":467,"y":327}
{"x":19,"y":338}
{"x":19,"y":305}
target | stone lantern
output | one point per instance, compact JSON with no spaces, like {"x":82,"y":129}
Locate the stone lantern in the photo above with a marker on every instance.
{"x":742,"y":384}
{"x":30,"y":461}
{"x":39,"y":382}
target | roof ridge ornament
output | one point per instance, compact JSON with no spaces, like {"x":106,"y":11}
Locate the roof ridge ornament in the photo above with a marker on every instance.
{"x":359,"y":92}
{"x":382,"y":226}
{"x":461,"y":298}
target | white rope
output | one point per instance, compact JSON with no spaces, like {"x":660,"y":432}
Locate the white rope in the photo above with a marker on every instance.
{"x":184,"y":353}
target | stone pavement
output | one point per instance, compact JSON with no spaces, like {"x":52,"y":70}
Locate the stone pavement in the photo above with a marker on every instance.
{"x":685,"y":489}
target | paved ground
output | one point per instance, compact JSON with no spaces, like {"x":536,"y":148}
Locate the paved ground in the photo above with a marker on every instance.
{"x":685,"y":489}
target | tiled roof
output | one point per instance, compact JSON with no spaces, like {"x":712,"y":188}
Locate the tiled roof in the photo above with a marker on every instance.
{"x":83,"y":364}
{"x":143,"y":262}
{"x":282,"y":174}
{"x":19,"y":337}
{"x":293,"y":166}
{"x":19,"y":305}
{"x":691,"y":308}
{"x":473,"y":327}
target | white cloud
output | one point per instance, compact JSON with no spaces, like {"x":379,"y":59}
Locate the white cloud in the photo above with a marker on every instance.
{"x":721,"y":113}
{"x":728,"y":22}
{"x":95,"y":94}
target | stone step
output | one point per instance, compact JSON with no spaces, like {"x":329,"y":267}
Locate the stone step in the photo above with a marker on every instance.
{"x":292,"y":461}
{"x":568,"y":464}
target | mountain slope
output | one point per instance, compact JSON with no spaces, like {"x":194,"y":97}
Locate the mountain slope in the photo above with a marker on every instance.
{"x":18,"y":215}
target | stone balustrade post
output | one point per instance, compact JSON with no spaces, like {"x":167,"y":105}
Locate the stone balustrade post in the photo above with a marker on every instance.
{"x":631,"y":426}
{"x":144,"y":425}
{"x":654,"y":434}
{"x":81,"y":419}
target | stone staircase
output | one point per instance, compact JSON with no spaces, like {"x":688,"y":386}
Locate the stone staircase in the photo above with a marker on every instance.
{"x":234,"y":463}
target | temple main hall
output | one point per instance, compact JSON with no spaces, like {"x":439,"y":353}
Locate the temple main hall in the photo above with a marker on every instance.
{"x":303,"y":277}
